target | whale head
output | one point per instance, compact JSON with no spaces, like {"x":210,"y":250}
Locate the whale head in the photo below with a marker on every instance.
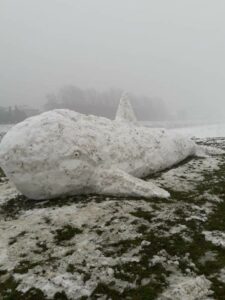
{"x":49,"y":155}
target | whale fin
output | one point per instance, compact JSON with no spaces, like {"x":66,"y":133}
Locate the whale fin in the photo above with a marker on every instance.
{"x":117,"y":182}
{"x":125,"y":112}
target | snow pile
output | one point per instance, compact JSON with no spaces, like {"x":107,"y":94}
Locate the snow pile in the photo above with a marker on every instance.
{"x":187,"y":288}
{"x":62,"y":152}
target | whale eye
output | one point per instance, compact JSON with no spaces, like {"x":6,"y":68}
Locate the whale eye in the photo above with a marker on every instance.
{"x":76,"y":154}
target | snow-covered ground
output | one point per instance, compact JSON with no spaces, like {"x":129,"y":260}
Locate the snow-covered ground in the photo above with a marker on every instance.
{"x":192,"y":129}
{"x":204,"y":131}
{"x":94,"y":247}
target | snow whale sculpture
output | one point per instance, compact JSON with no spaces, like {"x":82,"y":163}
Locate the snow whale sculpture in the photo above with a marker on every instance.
{"x":62,"y":152}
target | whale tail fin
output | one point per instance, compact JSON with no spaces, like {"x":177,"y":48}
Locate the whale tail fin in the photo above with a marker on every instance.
{"x":125,"y":112}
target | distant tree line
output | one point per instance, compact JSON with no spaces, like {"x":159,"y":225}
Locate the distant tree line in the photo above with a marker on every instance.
{"x":90,"y":101}
{"x":9,"y":115}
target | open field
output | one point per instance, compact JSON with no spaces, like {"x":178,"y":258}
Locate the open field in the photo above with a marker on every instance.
{"x":108,"y":248}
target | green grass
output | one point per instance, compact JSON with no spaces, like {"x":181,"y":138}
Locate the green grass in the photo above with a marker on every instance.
{"x":66,"y":233}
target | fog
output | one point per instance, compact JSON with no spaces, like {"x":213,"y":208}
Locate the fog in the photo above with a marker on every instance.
{"x":169,"y":49}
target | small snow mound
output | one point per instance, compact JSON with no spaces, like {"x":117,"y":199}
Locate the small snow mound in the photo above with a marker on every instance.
{"x":187,"y":288}
{"x":216,"y":237}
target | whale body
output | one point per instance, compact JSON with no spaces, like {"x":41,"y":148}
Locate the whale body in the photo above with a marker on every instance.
{"x":62,"y":152}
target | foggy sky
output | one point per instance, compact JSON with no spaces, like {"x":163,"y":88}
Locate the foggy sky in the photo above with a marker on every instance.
{"x":172,"y":49}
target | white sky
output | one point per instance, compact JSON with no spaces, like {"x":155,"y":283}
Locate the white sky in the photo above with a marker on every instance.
{"x":173,"y":49}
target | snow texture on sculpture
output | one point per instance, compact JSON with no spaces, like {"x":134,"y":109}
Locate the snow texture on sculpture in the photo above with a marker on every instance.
{"x":62,"y":152}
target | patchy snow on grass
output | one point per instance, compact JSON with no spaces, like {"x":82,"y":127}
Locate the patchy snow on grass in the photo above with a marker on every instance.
{"x":127,"y":248}
{"x":8,"y":191}
{"x":44,"y":259}
{"x":207,"y":257}
{"x":216,"y":237}
{"x":186,"y":176}
{"x":221,"y":276}
{"x":187,"y":288}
